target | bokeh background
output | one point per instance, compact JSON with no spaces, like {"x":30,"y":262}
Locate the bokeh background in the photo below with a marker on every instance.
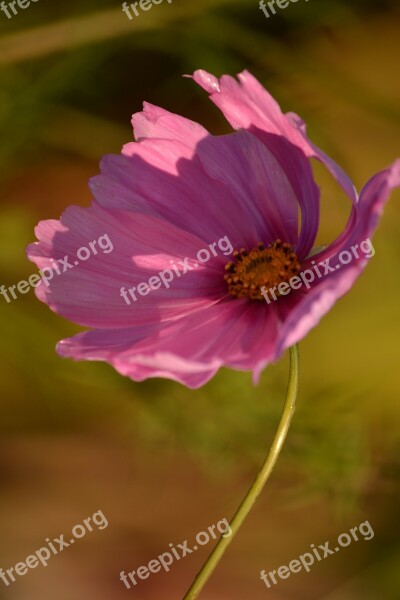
{"x":160,"y":461}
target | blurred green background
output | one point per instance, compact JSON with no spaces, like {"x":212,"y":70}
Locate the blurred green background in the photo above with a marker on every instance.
{"x":160,"y":461}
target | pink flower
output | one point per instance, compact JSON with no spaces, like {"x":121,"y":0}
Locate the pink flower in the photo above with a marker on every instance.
{"x":175,"y":191}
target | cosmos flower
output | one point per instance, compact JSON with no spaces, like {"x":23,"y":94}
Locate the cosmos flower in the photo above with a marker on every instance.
{"x":178,"y":189}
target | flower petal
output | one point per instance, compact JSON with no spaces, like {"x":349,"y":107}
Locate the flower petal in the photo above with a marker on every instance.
{"x":251,"y":170}
{"x":167,"y":179}
{"x":232,"y":333}
{"x":247,"y":104}
{"x":300,"y":312}
{"x":155,"y":122}
{"x":255,"y":177}
{"x":89,"y":293}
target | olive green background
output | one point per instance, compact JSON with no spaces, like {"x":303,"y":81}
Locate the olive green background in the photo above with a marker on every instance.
{"x":163,"y":462}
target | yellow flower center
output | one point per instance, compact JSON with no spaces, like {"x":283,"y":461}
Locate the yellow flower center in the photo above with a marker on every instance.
{"x":261,"y":267}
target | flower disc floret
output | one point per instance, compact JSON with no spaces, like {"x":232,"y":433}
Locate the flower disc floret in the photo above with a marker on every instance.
{"x":261,"y":267}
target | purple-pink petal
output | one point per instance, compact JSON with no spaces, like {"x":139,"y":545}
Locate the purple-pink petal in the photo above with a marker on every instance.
{"x":89,"y":293}
{"x":246,"y":104}
{"x":302,"y":312}
{"x":190,"y":350}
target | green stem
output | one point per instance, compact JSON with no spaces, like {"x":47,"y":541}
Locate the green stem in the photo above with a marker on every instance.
{"x":259,"y":482}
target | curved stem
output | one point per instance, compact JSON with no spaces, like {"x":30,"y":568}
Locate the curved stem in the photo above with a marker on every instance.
{"x":259,"y":482}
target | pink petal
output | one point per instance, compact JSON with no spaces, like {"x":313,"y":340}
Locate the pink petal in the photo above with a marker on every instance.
{"x":302,"y":312}
{"x":232,"y":333}
{"x":167,"y":179}
{"x":155,"y":122}
{"x":143,"y":245}
{"x":249,"y":168}
{"x":247,"y":104}
{"x":246,"y":166}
